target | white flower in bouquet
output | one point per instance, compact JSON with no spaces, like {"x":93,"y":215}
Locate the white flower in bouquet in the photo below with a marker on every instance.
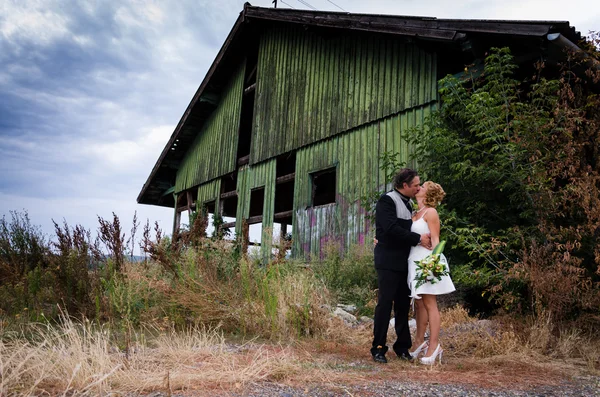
{"x":430,"y":269}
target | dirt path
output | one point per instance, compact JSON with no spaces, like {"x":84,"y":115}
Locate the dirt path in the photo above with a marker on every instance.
{"x":351,"y":373}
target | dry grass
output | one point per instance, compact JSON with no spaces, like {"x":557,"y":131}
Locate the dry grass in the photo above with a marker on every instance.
{"x":78,"y":360}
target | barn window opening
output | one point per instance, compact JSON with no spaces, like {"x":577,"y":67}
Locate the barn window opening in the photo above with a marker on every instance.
{"x":229,"y":197}
{"x":245,"y":131}
{"x":282,"y":240}
{"x":229,"y":225}
{"x":284,"y":201}
{"x":257,"y":199}
{"x":210,"y":207}
{"x":229,"y":182}
{"x":230,"y":207}
{"x":247,"y":114}
{"x":254,"y":240}
{"x":209,"y":211}
{"x":286,"y":164}
{"x":323,"y":187}
{"x":186,"y":205}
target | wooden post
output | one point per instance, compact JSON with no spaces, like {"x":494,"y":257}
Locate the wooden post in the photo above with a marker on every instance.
{"x":245,"y":237}
{"x":177,"y":217}
{"x":282,"y":233}
{"x":190,"y":201}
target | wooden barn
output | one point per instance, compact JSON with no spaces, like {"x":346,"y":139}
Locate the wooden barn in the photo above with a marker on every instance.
{"x":288,"y":125}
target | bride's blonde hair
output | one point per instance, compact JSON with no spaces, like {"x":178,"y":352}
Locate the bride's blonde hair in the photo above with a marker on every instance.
{"x":435,"y":194}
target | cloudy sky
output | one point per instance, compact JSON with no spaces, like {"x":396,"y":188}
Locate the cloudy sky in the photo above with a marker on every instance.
{"x":90,"y":91}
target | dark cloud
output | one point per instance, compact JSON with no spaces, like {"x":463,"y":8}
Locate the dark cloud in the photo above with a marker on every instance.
{"x":91,"y":91}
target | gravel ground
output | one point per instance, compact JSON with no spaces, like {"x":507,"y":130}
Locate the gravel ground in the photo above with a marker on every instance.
{"x":580,"y":387}
{"x":416,"y":390}
{"x":589,"y":386}
{"x":583,"y":386}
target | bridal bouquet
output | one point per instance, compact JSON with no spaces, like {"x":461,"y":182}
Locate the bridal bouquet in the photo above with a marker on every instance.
{"x":431,"y":269}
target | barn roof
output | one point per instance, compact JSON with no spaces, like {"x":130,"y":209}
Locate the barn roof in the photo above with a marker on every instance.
{"x":160,"y":182}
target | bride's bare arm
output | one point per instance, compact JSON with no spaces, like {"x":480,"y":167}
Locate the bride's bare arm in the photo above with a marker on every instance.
{"x":433,"y":221}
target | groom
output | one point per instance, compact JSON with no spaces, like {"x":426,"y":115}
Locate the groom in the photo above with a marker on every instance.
{"x":393,"y":220}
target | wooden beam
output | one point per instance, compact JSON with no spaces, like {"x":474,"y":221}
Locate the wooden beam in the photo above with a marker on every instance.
{"x":249,"y":89}
{"x":228,"y":225}
{"x":186,"y":208}
{"x":252,"y":73}
{"x":170,"y":191}
{"x":190,"y":201}
{"x":210,"y":97}
{"x":259,"y":218}
{"x":284,"y":214}
{"x":254,"y":219}
{"x":285,"y":178}
{"x":225,"y":195}
{"x":244,"y":160}
{"x":176,"y":222}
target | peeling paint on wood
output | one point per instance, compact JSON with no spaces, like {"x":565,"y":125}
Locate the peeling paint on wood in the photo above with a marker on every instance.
{"x":213,"y":152}
{"x":208,"y":192}
{"x":312,"y":87}
{"x":356,"y":157}
{"x":259,"y":175}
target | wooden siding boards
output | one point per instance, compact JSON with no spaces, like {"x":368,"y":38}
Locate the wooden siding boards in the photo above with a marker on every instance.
{"x":311,"y":87}
{"x":355,"y":155}
{"x":213,"y":152}
{"x":253,"y":177}
{"x":208,"y":192}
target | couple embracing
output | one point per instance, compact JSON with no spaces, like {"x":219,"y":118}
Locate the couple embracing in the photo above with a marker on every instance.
{"x":404,"y":236}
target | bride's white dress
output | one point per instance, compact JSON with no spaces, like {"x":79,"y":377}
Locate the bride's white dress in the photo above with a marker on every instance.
{"x":444,"y":286}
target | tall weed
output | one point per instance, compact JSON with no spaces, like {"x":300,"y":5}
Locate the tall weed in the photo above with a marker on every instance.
{"x":350,"y":276}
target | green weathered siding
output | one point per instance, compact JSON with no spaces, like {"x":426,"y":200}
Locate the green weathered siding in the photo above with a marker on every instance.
{"x":251,"y":177}
{"x":355,"y":155}
{"x":311,"y":87}
{"x":208,"y":192}
{"x":213,"y":152}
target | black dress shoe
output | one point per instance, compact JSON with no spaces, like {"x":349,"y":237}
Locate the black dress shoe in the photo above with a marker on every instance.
{"x":378,"y":354}
{"x":404,"y":355}
{"x":380,"y":358}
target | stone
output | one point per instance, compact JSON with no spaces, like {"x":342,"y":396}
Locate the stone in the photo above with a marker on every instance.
{"x":347,"y":308}
{"x":365,"y":319}
{"x":344,"y":315}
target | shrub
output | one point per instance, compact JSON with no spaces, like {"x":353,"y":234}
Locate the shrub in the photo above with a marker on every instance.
{"x":350,"y":276}
{"x":519,"y":161}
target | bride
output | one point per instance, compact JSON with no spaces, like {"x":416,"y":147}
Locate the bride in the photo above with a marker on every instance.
{"x":427,"y":220}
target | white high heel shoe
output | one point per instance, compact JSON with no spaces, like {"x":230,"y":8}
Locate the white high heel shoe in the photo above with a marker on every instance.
{"x":418,"y":350}
{"x":437,"y":354}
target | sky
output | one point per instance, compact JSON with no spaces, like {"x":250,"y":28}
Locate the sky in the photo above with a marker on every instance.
{"x":90,"y":91}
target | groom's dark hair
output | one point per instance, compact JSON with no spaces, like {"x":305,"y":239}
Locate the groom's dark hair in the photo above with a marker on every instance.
{"x":405,"y":175}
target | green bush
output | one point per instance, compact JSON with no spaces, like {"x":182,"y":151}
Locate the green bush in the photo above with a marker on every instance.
{"x":520,"y":164}
{"x":350,"y":276}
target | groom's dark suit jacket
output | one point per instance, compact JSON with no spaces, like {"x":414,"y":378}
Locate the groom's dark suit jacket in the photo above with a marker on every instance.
{"x":393,"y":234}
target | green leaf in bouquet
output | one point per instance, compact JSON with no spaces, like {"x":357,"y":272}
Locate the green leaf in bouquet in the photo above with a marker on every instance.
{"x":439,"y":248}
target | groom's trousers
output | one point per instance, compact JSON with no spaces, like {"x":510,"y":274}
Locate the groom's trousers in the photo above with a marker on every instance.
{"x":393,"y":291}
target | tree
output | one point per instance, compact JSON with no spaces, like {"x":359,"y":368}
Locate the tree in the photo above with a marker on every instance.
{"x":520,"y":163}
